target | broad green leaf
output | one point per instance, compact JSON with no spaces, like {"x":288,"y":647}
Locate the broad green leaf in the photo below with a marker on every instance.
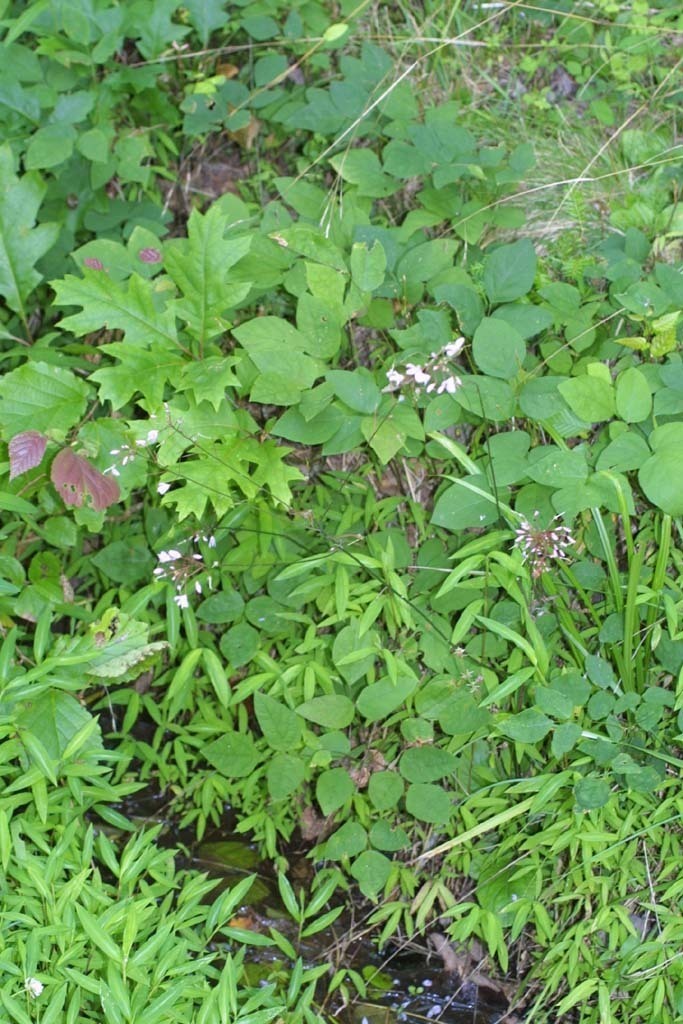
{"x":529,"y":726}
{"x":509,"y":271}
{"x":347,"y":841}
{"x":591,"y":398}
{"x":368,"y":266}
{"x":275,"y":347}
{"x":634,"y":398}
{"x":371,"y":870}
{"x":429,"y":803}
{"x":356,"y":388}
{"x":284,"y":774}
{"x":380,"y":699}
{"x":37,"y":396}
{"x":21,"y":243}
{"x":50,"y":146}
{"x":279,"y":724}
{"x":56,"y":717}
{"x":105,"y":303}
{"x":385,"y":789}
{"x":234,"y":755}
{"x":333,"y":711}
{"x":460,"y":506}
{"x":426,"y":764}
{"x":662,"y":481}
{"x":498,"y":349}
{"x":333,"y":788}
{"x":199,"y":266}
{"x":591,"y":793}
{"x":361,"y":167}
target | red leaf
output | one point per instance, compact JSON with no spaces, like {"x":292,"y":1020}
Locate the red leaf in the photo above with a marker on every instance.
{"x":26,"y":451}
{"x":74,"y":477}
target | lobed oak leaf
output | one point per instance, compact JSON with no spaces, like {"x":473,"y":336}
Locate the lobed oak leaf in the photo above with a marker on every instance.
{"x":26,"y":451}
{"x":74,"y":477}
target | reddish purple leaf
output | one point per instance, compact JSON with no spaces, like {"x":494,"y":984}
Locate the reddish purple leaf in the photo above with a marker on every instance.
{"x":93,"y":263}
{"x":26,"y":451}
{"x":74,"y":477}
{"x":150,"y":255}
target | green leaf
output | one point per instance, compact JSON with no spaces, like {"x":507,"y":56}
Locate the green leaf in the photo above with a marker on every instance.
{"x":199,"y":266}
{"x":96,"y":931}
{"x":50,"y":146}
{"x":378,"y":700}
{"x":385,"y":789}
{"x":361,"y":167}
{"x":333,"y":788}
{"x":347,"y":841}
{"x":125,"y":561}
{"x":634,"y":398}
{"x":565,"y":738}
{"x":279,"y":725}
{"x":498,"y":349}
{"x":356,"y":388}
{"x":662,"y":481}
{"x":460,"y":506}
{"x":426,"y":764}
{"x":333,"y":711}
{"x":371,"y":870}
{"x":233,"y":755}
{"x":430,"y":803}
{"x":509,"y":271}
{"x":21,"y":243}
{"x":383,"y":837}
{"x":240,"y":644}
{"x":226,"y":606}
{"x":591,"y":793}
{"x":368,"y":266}
{"x":529,"y":726}
{"x":105,"y":303}
{"x":591,"y":398}
{"x":37,"y":396}
{"x":275,"y":347}
{"x":284,"y":775}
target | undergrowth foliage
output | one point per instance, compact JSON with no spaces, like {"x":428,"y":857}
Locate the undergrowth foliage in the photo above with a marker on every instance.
{"x":341,"y":499}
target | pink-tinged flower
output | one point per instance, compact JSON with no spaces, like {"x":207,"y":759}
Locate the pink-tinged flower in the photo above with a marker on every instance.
{"x":149,"y":256}
{"x":542,"y":547}
{"x":92,"y":263}
{"x":454,"y":348}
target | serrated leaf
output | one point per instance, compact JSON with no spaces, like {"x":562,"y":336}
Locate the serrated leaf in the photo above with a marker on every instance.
{"x":40,"y":397}
{"x":26,"y":451}
{"x":129,"y":308}
{"x":21,"y":243}
{"x":199,"y":266}
{"x":75,"y":479}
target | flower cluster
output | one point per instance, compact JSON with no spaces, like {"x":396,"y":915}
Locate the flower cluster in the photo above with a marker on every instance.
{"x":542,"y":547}
{"x":435,"y":375}
{"x":182,"y":569}
{"x":128,"y":452}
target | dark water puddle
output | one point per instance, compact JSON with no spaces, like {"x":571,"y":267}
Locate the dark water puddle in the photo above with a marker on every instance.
{"x":405,"y":986}
{"x":408,"y":986}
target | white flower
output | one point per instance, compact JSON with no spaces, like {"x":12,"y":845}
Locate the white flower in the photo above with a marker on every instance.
{"x":113,"y":470}
{"x":33,"y":987}
{"x":417,"y":373}
{"x":169,"y":556}
{"x":450,"y":384}
{"x":181,"y":600}
{"x":152,"y":435}
{"x":162,"y":488}
{"x":197,"y":586}
{"x":454,"y":348}
{"x":395,"y":379}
